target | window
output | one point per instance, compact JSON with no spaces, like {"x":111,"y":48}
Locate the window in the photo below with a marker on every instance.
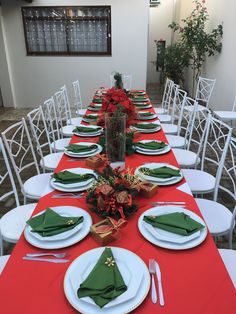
{"x":84,"y":30}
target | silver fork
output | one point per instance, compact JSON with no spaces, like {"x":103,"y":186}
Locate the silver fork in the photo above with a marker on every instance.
{"x":152,"y":271}
{"x":58,"y":255}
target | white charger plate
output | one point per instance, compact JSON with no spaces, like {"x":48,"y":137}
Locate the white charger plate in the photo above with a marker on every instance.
{"x":156,"y":129}
{"x":74,"y":187}
{"x":159,"y":181}
{"x":85,"y":154}
{"x":152,"y":116}
{"x":146,"y":151}
{"x":132,"y":268}
{"x":85,"y":119}
{"x":62,"y":243}
{"x":161,"y":210}
{"x":66,"y":211}
{"x":95,"y":133}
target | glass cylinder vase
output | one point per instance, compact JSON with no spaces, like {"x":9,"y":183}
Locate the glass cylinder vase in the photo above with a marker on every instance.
{"x":115,"y":130}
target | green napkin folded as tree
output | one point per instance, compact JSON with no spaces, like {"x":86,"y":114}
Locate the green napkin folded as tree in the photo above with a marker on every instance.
{"x":50,"y":223}
{"x":77,"y":148}
{"x":178,"y":223}
{"x":67,"y":177}
{"x":147,"y":126}
{"x":162,"y":172}
{"x":104,"y":283}
{"x":151,"y":145}
{"x":83,"y":129}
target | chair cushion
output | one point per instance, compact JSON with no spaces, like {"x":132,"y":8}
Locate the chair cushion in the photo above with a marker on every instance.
{"x":34,"y":186}
{"x":51,"y":161}
{"x":59,"y":145}
{"x":229,"y":259}
{"x":217,"y":216}
{"x":226,"y":115}
{"x":176,"y":141}
{"x":199,"y":181}
{"x":160,"y":110}
{"x":13,"y":222}
{"x":3,"y":261}
{"x":199,"y":108}
{"x":169,"y":128}
{"x":67,"y":130}
{"x":185,"y":158}
{"x":164,"y":118}
{"x":75,"y":121}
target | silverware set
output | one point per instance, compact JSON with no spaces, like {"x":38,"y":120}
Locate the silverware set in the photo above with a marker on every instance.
{"x":39,"y":257}
{"x":154,"y":269}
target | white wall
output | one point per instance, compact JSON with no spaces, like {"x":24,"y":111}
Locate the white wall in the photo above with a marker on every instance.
{"x":37,"y":78}
{"x":5,"y":84}
{"x":159,"y":19}
{"x":221,"y":66}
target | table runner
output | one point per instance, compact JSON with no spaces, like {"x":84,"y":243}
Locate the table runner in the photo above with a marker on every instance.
{"x":194,"y":281}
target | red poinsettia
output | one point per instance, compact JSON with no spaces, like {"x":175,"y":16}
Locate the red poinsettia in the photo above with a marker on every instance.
{"x":114,"y":98}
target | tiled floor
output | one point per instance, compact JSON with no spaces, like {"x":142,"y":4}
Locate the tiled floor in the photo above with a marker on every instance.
{"x":9,"y":116}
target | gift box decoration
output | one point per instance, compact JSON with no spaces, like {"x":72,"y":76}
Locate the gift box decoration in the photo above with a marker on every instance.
{"x":107,"y":230}
{"x":148,"y":189}
{"x":95,"y":161}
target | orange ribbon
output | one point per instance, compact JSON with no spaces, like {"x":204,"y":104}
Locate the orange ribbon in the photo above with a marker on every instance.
{"x":114,"y":225}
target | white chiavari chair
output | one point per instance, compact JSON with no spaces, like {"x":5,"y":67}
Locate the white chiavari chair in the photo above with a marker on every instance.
{"x":78,"y":104}
{"x":165,"y":98}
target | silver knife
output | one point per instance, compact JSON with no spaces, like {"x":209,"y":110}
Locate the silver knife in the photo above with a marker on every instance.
{"x":160,"y":290}
{"x":50,"y":260}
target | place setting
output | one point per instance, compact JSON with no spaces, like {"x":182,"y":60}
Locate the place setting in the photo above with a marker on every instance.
{"x":159,"y":173}
{"x":82,"y":149}
{"x":151,"y":147}
{"x":94,"y":106}
{"x":56,"y":227}
{"x":87,"y":131}
{"x":146,"y":115}
{"x":123,"y":284}
{"x":93,"y":117}
{"x":73,"y":179}
{"x":146,"y":127}
{"x":142,"y":105}
{"x":172,"y":227}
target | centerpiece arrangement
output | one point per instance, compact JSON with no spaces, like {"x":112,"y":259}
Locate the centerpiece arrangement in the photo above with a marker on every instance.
{"x":112,"y":195}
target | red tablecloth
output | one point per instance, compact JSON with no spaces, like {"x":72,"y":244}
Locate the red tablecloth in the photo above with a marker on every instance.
{"x":194,"y":281}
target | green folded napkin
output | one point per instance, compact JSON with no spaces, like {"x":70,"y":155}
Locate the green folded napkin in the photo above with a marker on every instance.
{"x":67,"y":177}
{"x":178,"y":223}
{"x":97,"y":100}
{"x":147,"y":126}
{"x":94,"y":108}
{"x":151,"y":145}
{"x":50,"y":223}
{"x":104,"y":283}
{"x":162,"y":172}
{"x":142,"y":104}
{"x":145,"y":114}
{"x":139,"y":98}
{"x":83,"y":129}
{"x":90,"y":117}
{"x":77,"y":148}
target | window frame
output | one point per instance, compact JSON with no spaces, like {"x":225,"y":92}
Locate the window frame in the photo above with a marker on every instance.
{"x":68,"y":53}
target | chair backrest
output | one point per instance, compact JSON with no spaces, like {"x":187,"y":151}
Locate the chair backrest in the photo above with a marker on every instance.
{"x":214,"y":146}
{"x":77,"y":96}
{"x":186,"y":123}
{"x":204,"y":90}
{"x":50,"y":115}
{"x":39,"y":131}
{"x":5,"y":175}
{"x":17,"y":141}
{"x":172,"y":102}
{"x":167,"y":93}
{"x":126,"y":79}
{"x":62,"y":108}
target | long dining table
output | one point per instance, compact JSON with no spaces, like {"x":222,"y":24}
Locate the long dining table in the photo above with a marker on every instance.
{"x":194,"y":280}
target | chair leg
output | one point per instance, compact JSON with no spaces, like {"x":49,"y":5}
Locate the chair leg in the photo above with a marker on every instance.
{"x":1,"y":245}
{"x":230,"y":240}
{"x":25,"y":200}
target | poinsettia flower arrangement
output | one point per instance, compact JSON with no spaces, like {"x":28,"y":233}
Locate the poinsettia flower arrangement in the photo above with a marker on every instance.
{"x":116,"y":99}
{"x":112,"y":195}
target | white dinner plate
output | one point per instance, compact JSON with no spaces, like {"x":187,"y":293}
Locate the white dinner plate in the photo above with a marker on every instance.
{"x":74,"y":187}
{"x":141,"y":117}
{"x":95,"y":107}
{"x":85,"y":154}
{"x":85,"y":119}
{"x":133,"y":270}
{"x":159,"y":181}
{"x":66,"y":211}
{"x":78,"y":236}
{"x":157,"y":128}
{"x":95,"y":133}
{"x":171,"y":243}
{"x":146,"y":151}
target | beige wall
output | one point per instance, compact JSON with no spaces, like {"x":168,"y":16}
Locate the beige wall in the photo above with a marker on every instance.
{"x":221,"y":66}
{"x":36,"y":78}
{"x":159,"y":19}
